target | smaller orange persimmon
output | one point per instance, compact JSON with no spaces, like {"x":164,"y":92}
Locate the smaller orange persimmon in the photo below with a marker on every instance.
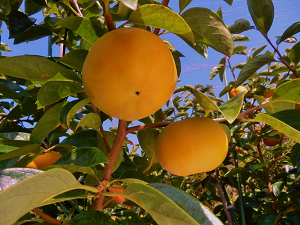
{"x":269,"y":141}
{"x":44,"y":160}
{"x":117,"y":189}
{"x":239,"y":149}
{"x":297,"y":106}
{"x":235,"y":91}
{"x":269,"y":93}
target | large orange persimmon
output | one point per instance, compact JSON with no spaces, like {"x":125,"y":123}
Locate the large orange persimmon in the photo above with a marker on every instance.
{"x":129,"y":73}
{"x":191,"y":146}
{"x":44,"y":160}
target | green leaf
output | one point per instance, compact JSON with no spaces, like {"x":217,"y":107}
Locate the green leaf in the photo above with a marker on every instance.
{"x":31,"y":7}
{"x":183,"y":4}
{"x":235,"y":171}
{"x":84,"y":138}
{"x":9,"y":177}
{"x":91,"y":120}
{"x":33,"y":191}
{"x":53,"y":91}
{"x":85,"y":156}
{"x":268,"y":219}
{"x":162,"y":209}
{"x":91,"y":217}
{"x":298,"y":163}
{"x":74,"y":169}
{"x":294,"y":54}
{"x":262,"y":13}
{"x":206,"y":103}
{"x":147,"y":15}
{"x":289,"y":32}
{"x":239,"y":37}
{"x":10,"y":88}
{"x":30,"y":67}
{"x":4,"y":47}
{"x":189,"y":204}
{"x":289,"y":91}
{"x":17,"y":136}
{"x":239,"y":49}
{"x":232,"y":108}
{"x":229,"y":2}
{"x":33,"y":148}
{"x":277,"y":187}
{"x":74,"y":59}
{"x":259,"y":50}
{"x":240,"y":26}
{"x":285,"y":121}
{"x":48,"y":122}
{"x":75,"y":108}
{"x":147,"y":139}
{"x":251,"y":67}
{"x":294,"y":153}
{"x":18,"y":22}
{"x":217,"y":69}
{"x":33,"y":33}
{"x":132,"y":4}
{"x":5,"y":6}
{"x":86,"y":28}
{"x":209,"y":29}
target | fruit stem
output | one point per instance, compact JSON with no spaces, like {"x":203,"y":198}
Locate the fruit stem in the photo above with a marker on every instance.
{"x":107,"y":15}
{"x":164,"y":3}
{"x":112,"y":157}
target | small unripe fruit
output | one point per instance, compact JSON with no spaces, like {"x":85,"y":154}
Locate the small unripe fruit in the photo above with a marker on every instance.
{"x":269,"y":141}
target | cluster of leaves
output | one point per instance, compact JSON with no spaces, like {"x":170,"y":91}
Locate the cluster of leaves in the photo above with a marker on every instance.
{"x":43,"y":107}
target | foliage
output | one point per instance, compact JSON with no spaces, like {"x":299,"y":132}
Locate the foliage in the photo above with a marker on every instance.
{"x":43,"y":107}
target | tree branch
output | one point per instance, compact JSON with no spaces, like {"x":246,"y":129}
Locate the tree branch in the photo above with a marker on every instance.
{"x":48,"y":218}
{"x":224,"y":202}
{"x":107,"y":15}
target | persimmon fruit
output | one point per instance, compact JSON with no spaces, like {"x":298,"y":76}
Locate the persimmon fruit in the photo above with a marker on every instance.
{"x":129,"y":73}
{"x":235,"y":91}
{"x":190,"y":146}
{"x":270,"y":141}
{"x":117,"y":189}
{"x":47,"y":159}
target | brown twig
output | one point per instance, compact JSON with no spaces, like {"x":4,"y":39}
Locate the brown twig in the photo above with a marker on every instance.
{"x":112,"y":157}
{"x":48,"y":218}
{"x":107,"y":15}
{"x":164,"y":3}
{"x":230,"y":67}
{"x":146,"y":126}
{"x":224,"y":202}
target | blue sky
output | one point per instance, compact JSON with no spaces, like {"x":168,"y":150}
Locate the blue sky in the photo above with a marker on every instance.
{"x":195,"y":69}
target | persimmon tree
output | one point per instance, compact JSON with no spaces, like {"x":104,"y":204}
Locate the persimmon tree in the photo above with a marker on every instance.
{"x":44,"y":108}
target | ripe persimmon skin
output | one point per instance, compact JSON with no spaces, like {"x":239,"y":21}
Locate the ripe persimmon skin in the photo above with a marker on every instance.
{"x":44,"y":160}
{"x":190,"y":146}
{"x":129,"y":73}
{"x":235,"y":91}
{"x":269,"y":141}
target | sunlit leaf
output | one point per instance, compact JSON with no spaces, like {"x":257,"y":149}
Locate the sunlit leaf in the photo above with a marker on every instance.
{"x":294,"y":54}
{"x":33,"y":148}
{"x":262,"y":13}
{"x":240,"y":26}
{"x":132,"y":4}
{"x":91,"y":120}
{"x":33,"y":191}
{"x":74,"y":59}
{"x":232,"y":108}
{"x":183,"y":4}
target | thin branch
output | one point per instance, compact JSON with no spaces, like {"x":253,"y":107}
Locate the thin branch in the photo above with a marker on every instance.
{"x":164,"y":3}
{"x":281,"y":58}
{"x":230,"y":67}
{"x":77,"y":8}
{"x":146,"y":126}
{"x":112,"y":157}
{"x":107,"y":15}
{"x":224,"y":202}
{"x":48,"y":218}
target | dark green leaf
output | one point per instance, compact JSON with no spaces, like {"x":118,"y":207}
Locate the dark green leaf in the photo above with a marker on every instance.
{"x":48,"y":122}
{"x":9,"y":177}
{"x":235,"y":171}
{"x":217,"y":69}
{"x":262,"y":13}
{"x":91,"y":217}
{"x":294,"y":153}
{"x":289,"y":32}
{"x":209,"y":29}
{"x":74,"y":59}
{"x":240,"y":26}
{"x":33,"y":33}
{"x":268,"y":219}
{"x":259,"y":50}
{"x":9,"y":88}
{"x":252,"y":66}
{"x":74,"y":194}
{"x":33,"y":148}
{"x":31,"y":7}
{"x":147,"y":15}
{"x":294,"y":54}
{"x":229,"y":2}
{"x":86,"y":28}
{"x":86,"y":156}
{"x":84,"y":138}
{"x":18,"y":22}
{"x":30,"y":67}
{"x":298,"y":163}
{"x":147,"y":140}
{"x":53,"y":91}
{"x":5,"y":6}
{"x":75,"y":108}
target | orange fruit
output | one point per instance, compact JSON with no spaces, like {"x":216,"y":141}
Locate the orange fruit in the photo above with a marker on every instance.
{"x":190,"y":146}
{"x":47,"y":159}
{"x":235,"y":91}
{"x":269,"y":141}
{"x":117,"y":189}
{"x":129,"y":73}
{"x":297,"y":106}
